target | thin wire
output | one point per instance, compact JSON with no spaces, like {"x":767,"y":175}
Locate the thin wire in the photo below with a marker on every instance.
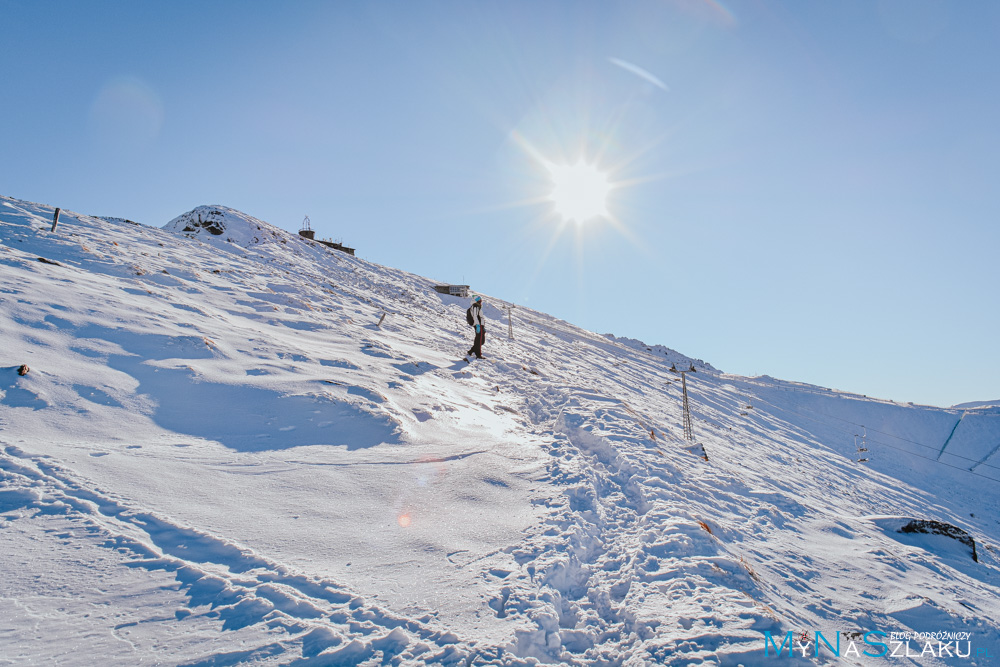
{"x":875,"y":430}
{"x":971,"y":472}
{"x":847,"y":421}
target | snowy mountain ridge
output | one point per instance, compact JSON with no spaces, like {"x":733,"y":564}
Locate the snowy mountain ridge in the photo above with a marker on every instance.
{"x":670,"y":356}
{"x":978,"y":404}
{"x":222,"y":453}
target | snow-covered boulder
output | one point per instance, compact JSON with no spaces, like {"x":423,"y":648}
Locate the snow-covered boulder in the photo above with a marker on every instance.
{"x":934,"y":536}
{"x":213,"y":224}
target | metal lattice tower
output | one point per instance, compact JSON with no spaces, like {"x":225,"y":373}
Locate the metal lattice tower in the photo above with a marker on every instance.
{"x":688,"y":429}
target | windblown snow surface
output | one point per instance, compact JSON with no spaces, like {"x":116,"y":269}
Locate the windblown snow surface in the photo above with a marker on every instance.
{"x":218,"y":457}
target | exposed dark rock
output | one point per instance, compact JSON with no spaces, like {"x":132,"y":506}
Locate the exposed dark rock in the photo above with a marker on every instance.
{"x":941,"y":528}
{"x":211,"y":226}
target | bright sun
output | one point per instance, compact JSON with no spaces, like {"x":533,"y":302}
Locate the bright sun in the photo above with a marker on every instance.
{"x":579,"y":191}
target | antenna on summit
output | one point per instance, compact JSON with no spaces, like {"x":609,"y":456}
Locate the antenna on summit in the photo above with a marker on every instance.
{"x":307,"y":230}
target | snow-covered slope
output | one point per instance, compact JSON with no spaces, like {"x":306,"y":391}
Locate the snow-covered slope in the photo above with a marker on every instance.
{"x":219,"y":457}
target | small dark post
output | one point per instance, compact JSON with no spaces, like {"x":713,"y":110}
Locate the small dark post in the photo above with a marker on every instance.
{"x":379,"y":325}
{"x":55,"y":220}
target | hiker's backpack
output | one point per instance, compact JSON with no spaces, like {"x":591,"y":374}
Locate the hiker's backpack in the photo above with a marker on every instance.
{"x":468,"y":317}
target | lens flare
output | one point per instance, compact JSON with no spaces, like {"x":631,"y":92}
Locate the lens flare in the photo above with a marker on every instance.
{"x":404,"y":520}
{"x":127,"y":115}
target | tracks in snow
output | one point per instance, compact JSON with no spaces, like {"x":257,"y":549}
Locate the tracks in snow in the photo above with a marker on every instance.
{"x":622,"y":569}
{"x":312,"y":618}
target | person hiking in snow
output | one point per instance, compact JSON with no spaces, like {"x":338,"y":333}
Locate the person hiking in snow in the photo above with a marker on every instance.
{"x":474,"y":315}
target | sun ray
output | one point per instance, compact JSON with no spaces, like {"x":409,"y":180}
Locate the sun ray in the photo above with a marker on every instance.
{"x":630,"y":236}
{"x":528,"y":147}
{"x":553,"y":239}
{"x":614,"y":122}
{"x":646,"y":148}
{"x":665,"y":175}
{"x":580,"y":263}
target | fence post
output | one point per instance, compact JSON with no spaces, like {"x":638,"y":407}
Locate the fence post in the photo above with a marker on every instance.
{"x":55,"y":219}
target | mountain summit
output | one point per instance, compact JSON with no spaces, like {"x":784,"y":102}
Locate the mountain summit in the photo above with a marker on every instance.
{"x":214,"y":223}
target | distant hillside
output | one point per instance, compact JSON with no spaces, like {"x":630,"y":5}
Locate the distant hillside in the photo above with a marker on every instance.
{"x":669,"y":356}
{"x":978,"y":404}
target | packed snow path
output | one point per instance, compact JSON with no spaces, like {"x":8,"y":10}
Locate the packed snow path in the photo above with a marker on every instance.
{"x":218,"y":457}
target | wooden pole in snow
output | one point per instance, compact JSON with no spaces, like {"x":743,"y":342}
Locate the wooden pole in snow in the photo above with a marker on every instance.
{"x":55,"y":220}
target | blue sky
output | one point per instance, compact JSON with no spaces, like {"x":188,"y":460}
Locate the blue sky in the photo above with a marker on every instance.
{"x":811,"y":194}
